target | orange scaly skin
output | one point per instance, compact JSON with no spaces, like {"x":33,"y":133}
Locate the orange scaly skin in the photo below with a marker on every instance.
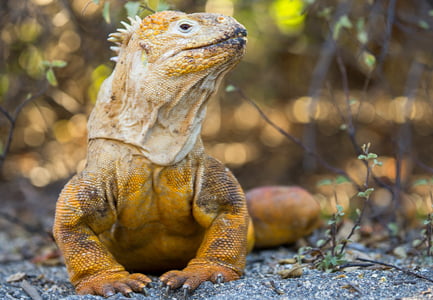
{"x":150,"y":199}
{"x":124,"y":212}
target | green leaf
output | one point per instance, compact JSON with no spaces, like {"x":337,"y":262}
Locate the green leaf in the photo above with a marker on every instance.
{"x":430,"y":13}
{"x":331,"y":221}
{"x":341,"y":179}
{"x":426,"y":222}
{"x":96,"y":2}
{"x":366,"y":193}
{"x":420,"y":182}
{"x":369,"y":60}
{"x":343,"y":22}
{"x":304,"y":250}
{"x":423,"y":24}
{"x":377,"y":163}
{"x":362,"y":157}
{"x":230,"y":88}
{"x":353,"y":101}
{"x":358,"y":212}
{"x":324,"y":182}
{"x":46,"y":63}
{"x":320,"y":243}
{"x":393,"y":228}
{"x":106,"y":12}
{"x":371,"y":156}
{"x":132,"y":8}
{"x":59,"y":63}
{"x":325,"y":13}
{"x":362,"y":35}
{"x":416,"y":243}
{"x":51,"y":77}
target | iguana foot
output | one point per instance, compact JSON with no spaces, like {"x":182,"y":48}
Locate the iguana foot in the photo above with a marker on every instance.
{"x":108,"y":284}
{"x":193,"y":275}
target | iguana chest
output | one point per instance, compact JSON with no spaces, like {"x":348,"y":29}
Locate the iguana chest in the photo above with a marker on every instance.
{"x":149,"y":194}
{"x":155,"y":226}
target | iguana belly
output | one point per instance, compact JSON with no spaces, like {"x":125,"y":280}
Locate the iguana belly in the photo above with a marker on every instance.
{"x":152,"y":248}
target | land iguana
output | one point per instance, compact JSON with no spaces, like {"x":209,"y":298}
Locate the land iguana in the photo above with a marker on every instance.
{"x":149,"y":198}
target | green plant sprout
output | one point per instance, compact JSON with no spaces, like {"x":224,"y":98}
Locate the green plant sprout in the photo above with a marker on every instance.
{"x":336,"y":256}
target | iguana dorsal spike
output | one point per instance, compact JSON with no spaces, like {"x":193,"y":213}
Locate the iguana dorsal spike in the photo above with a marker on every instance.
{"x":123,"y":34}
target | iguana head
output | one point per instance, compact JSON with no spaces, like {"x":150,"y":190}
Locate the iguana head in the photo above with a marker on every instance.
{"x":180,"y":43}
{"x":168,"y":65}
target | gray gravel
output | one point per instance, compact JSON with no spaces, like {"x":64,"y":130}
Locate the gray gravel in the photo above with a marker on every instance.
{"x":260,"y":282}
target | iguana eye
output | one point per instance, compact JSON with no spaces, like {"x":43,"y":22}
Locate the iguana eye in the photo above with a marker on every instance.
{"x":185,"y":27}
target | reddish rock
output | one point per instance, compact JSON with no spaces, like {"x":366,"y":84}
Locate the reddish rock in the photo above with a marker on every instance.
{"x":281,"y":214}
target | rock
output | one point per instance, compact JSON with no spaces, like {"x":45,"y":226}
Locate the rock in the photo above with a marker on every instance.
{"x":281,"y":214}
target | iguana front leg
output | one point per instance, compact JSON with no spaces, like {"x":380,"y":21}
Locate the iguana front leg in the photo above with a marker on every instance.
{"x":83,"y":211}
{"x":220,"y":208}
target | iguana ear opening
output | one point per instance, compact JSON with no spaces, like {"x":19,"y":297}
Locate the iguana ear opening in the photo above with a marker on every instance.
{"x":145,"y":47}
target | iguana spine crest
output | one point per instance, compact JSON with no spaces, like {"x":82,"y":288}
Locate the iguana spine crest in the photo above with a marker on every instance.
{"x":123,"y":34}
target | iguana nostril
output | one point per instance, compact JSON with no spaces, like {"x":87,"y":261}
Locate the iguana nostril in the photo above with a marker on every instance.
{"x":240,"y":31}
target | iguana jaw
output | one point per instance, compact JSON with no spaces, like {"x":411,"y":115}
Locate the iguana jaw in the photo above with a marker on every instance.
{"x":211,"y":55}
{"x":237,"y":39}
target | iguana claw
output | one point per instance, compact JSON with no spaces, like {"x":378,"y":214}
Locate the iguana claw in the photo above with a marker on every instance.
{"x":186,"y":290}
{"x":220,"y":278}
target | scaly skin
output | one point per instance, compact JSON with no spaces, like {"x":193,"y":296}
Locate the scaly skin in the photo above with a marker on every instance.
{"x":150,"y":199}
{"x":124,"y":212}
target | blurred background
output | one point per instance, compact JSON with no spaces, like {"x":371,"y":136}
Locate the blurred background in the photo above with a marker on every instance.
{"x":334,"y":74}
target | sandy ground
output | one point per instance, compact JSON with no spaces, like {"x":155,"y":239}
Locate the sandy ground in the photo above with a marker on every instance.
{"x":22,"y":279}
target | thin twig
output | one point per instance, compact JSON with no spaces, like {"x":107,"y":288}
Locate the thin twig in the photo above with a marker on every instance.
{"x":294,"y":139}
{"x":355,"y":226}
{"x":13,"y":118}
{"x":395,"y":267}
{"x":352,"y":265}
{"x":388,"y":33}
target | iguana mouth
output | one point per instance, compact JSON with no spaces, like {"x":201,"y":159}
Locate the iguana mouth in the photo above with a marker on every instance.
{"x":238,"y":37}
